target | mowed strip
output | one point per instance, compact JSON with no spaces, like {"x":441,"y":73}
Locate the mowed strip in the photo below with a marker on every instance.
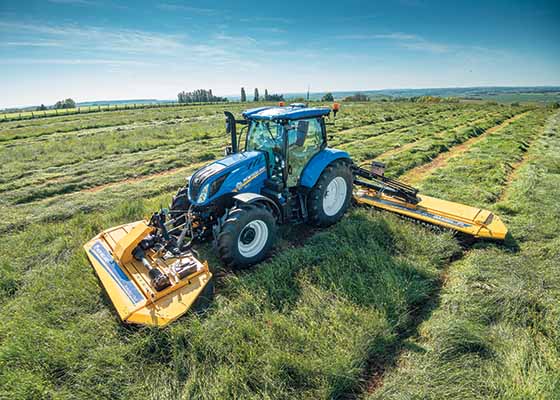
{"x":429,"y":146}
{"x":98,"y":185}
{"x":525,"y":133}
{"x":552,"y":125}
{"x":441,"y":134}
{"x":106,"y":159}
{"x":419,"y":173}
{"x":495,"y":335}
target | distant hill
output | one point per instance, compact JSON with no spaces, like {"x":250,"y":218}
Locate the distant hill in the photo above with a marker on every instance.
{"x":498,"y":93}
{"x":132,"y":101}
{"x":544,"y":94}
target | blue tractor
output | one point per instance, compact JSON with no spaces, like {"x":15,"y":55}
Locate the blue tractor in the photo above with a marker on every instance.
{"x":278,"y":170}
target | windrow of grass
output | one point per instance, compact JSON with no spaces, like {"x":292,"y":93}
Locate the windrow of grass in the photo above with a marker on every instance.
{"x":35,"y":194}
{"x":18,"y":130}
{"x":63,"y":164}
{"x":496,"y":332}
{"x":404,"y":118}
{"x":372,"y":147}
{"x":304,"y":324}
{"x":484,"y":168}
{"x":426,"y":149}
{"x":358,"y":115}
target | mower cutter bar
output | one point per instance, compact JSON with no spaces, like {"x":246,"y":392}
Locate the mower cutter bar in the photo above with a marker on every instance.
{"x":146,"y":287}
{"x":472,"y":221}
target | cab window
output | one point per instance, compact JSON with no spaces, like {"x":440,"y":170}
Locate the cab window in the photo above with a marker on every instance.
{"x":305,"y":139}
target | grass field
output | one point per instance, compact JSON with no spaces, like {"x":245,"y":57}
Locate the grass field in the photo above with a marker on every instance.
{"x":374,"y":307}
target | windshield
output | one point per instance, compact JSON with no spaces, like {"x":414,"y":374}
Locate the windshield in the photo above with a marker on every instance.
{"x":264,"y":136}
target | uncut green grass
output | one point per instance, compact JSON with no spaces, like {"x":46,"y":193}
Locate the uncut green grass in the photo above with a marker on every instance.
{"x":495,"y":334}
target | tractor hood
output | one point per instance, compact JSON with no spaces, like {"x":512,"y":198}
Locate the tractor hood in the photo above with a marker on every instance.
{"x":237,"y":173}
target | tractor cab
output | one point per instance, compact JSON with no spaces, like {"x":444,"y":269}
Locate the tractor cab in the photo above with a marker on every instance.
{"x":288,"y":136}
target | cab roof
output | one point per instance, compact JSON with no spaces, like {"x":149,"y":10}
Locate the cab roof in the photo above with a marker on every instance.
{"x":285,"y":113}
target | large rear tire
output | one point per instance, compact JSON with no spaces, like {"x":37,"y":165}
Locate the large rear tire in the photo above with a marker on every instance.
{"x":330,"y":197}
{"x":247,"y":236}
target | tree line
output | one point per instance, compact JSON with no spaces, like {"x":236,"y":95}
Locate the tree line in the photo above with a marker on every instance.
{"x":199,"y":96}
{"x":257,"y":97}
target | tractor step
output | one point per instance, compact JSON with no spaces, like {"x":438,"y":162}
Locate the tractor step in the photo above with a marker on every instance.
{"x":134,"y":283}
{"x":472,"y":221}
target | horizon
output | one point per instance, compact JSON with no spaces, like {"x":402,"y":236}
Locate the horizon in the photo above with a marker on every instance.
{"x":87,"y":49}
{"x":234,"y":96}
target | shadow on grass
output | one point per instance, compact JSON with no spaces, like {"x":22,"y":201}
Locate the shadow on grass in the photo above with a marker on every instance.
{"x":363,"y":261}
{"x":299,"y":307}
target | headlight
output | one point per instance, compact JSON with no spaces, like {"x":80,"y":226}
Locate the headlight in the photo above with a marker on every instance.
{"x":203,"y":194}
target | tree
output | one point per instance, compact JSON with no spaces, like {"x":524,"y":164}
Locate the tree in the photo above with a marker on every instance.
{"x":243,"y":95}
{"x":256,"y":98}
{"x":328,"y":97}
{"x":275,"y":97}
{"x":357,"y":97}
{"x":266,"y":95}
{"x":41,"y":108}
{"x":68,"y":103}
{"x":199,"y":96}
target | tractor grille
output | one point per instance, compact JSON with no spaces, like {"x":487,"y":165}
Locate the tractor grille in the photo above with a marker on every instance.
{"x":200,"y":177}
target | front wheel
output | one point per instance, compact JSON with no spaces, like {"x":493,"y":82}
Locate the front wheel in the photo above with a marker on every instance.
{"x":180,"y":206}
{"x":247,"y":236}
{"x":330,"y":197}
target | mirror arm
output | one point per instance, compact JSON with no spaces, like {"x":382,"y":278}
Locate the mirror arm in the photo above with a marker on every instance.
{"x":231,"y":129}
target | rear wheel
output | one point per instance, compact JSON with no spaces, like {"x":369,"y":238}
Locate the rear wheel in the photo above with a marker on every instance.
{"x":330,"y":197}
{"x":247,"y":236}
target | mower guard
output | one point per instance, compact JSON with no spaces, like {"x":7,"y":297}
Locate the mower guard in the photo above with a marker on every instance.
{"x":127,"y":282}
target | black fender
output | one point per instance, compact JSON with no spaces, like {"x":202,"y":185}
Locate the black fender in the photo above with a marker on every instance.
{"x":252,"y":198}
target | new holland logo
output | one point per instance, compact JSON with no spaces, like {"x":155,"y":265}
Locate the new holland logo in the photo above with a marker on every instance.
{"x":249,"y":179}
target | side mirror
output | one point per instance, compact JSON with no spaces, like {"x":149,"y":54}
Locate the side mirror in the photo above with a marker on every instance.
{"x":228,"y":150}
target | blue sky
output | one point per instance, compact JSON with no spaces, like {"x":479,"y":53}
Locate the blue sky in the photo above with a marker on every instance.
{"x":103,"y":49}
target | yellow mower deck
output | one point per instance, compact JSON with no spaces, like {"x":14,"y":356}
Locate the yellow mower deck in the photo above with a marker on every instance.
{"x":473,"y":221}
{"x":127,"y":283}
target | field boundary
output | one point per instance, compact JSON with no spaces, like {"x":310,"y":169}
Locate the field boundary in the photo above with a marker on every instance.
{"x":29,"y":115}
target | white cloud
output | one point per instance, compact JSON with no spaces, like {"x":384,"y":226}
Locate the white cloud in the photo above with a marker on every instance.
{"x":189,"y":9}
{"x":236,"y":40}
{"x":35,"y":43}
{"x":76,"y":2}
{"x":405,"y":40}
{"x":269,"y":30}
{"x":71,"y":61}
{"x":268,"y":20}
{"x":97,"y":38}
